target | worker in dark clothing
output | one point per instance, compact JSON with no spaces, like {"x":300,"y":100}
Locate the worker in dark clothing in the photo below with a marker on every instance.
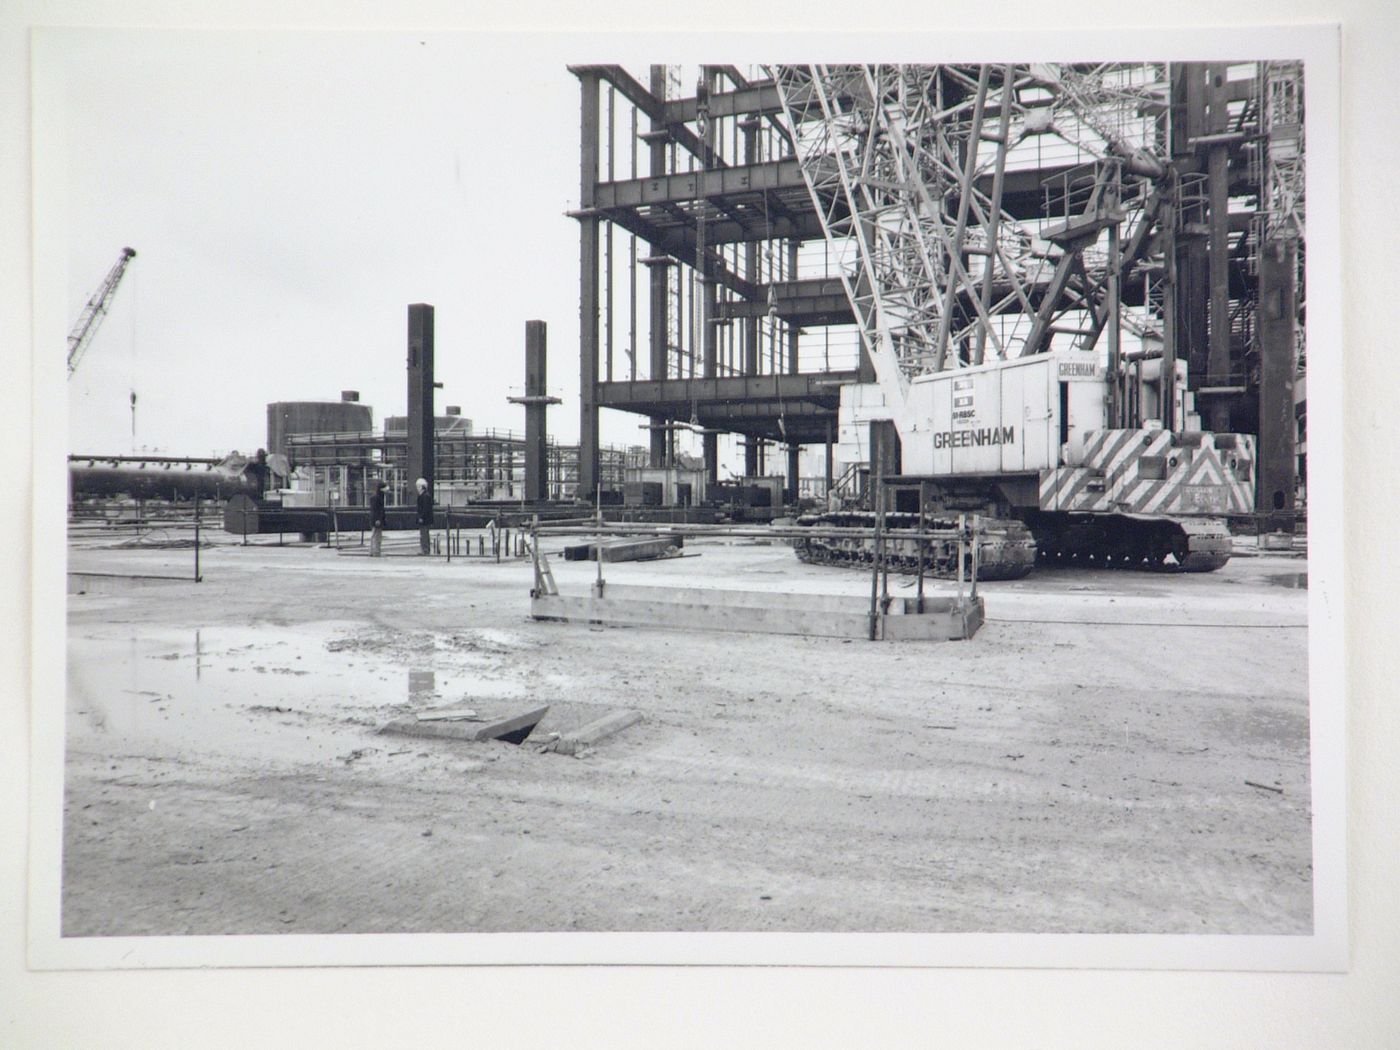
{"x":376,"y":520}
{"x":425,"y":515}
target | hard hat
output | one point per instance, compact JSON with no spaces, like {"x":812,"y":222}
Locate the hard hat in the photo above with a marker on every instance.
{"x":422,"y":484}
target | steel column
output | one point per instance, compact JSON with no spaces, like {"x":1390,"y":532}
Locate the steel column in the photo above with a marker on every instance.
{"x":660,"y":303}
{"x":1277,"y":420}
{"x":751,"y":274}
{"x":588,"y":291}
{"x":1191,"y":258}
{"x":1218,"y":187}
{"x":1170,"y":326}
{"x":420,"y":393}
{"x":830,"y":461}
{"x":707,"y":293}
{"x":536,"y":401}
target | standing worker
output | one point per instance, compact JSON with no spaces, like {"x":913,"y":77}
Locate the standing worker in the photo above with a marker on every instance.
{"x":376,"y":520}
{"x":425,"y":515}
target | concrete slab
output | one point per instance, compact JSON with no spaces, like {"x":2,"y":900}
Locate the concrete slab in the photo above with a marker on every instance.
{"x":818,"y":616}
{"x":513,"y":729}
{"x":115,"y":583}
{"x":619,"y":550}
{"x":572,"y":743}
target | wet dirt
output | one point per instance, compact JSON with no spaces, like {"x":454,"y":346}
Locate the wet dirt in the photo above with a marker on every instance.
{"x":225,"y":773}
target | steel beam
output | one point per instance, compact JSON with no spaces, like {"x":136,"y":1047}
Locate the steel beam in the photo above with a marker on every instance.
{"x":1022,"y":190}
{"x":669,"y":229}
{"x":812,"y":301}
{"x":653,"y":106}
{"x":679,"y":243}
{"x":754,"y":406}
{"x":821,"y":388}
{"x":686,"y":186}
{"x":759,"y":98}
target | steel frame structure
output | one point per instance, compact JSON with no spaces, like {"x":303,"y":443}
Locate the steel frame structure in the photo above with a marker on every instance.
{"x":952,"y":234}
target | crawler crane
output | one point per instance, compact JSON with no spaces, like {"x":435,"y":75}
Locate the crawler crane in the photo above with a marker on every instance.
{"x":1001,"y":376}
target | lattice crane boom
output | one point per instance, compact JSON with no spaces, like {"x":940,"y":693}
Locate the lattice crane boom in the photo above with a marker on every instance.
{"x":906,"y":165}
{"x":96,"y":309}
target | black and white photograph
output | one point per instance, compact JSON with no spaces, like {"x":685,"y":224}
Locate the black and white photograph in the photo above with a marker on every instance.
{"x":522,"y":499}
{"x":923,"y":546}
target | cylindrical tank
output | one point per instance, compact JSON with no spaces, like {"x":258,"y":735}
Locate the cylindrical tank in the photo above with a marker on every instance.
{"x":164,"y":479}
{"x":285,"y":418}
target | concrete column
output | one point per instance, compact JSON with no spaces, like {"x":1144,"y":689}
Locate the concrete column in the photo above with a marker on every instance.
{"x":420,"y":393}
{"x":588,"y":292}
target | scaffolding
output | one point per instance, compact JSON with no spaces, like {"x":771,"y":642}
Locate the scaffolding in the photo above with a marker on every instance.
{"x":481,"y":467}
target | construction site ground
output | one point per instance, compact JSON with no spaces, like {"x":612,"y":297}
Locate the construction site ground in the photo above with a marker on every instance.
{"x":1113,"y":752}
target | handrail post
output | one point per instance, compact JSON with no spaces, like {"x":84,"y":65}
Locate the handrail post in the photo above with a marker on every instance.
{"x":976,"y":552}
{"x":197,"y":577}
{"x":923,"y":542}
{"x":962,"y":533}
{"x":875,"y":561}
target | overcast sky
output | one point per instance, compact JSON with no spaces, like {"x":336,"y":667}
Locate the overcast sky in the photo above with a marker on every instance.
{"x":288,"y":196}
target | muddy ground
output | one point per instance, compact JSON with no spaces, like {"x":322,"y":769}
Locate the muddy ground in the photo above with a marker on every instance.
{"x":1079,"y":766}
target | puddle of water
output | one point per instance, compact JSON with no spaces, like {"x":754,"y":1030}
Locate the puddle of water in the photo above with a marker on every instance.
{"x":258,"y":692}
{"x":1297,"y":581}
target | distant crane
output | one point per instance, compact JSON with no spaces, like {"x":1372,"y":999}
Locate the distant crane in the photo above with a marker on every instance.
{"x":96,"y":309}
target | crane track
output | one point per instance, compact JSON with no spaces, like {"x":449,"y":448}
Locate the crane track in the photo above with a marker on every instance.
{"x":1140,"y":543}
{"x":1009,"y":549}
{"x":1006,"y":548}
